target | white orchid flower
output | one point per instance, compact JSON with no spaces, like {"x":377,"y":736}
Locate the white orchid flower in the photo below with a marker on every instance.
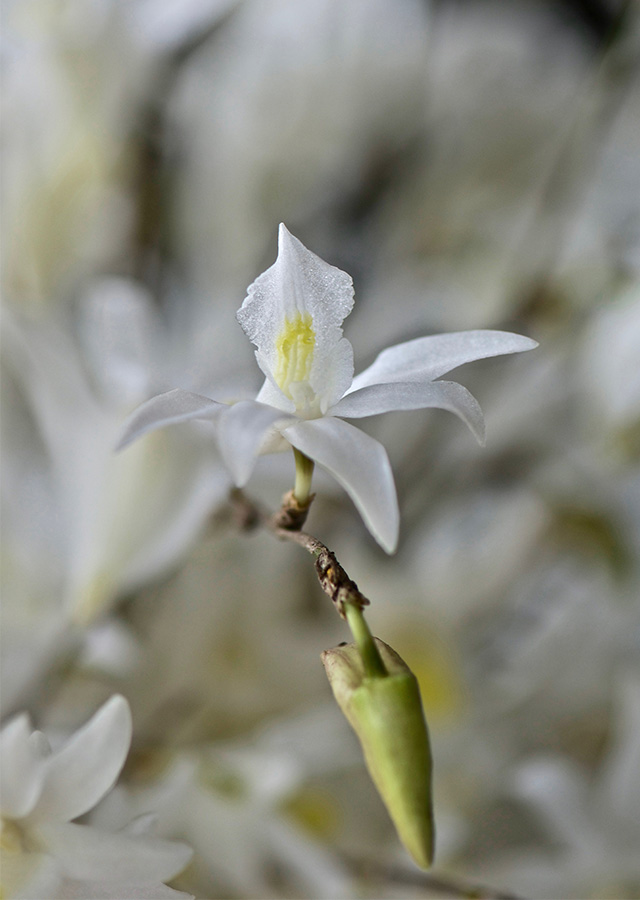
{"x":293,"y":313}
{"x":44,"y":853}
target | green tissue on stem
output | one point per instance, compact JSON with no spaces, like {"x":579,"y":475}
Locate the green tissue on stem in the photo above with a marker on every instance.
{"x":304,"y":476}
{"x":372,"y":664}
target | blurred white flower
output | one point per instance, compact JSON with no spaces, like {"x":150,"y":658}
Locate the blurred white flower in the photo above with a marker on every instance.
{"x":293,"y":314}
{"x":235,"y":804}
{"x":46,"y":854}
{"x":82,"y":527}
{"x":165,"y":24}
{"x":72,"y":79}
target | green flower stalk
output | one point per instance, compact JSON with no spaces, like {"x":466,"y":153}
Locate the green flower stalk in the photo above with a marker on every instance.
{"x":383,"y":706}
{"x":304,"y":474}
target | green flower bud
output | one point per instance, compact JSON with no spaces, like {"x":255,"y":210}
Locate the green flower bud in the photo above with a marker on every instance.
{"x":386,"y":713}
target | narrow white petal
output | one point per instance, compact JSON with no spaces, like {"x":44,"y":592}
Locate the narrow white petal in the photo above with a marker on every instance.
{"x":86,"y":853}
{"x":402,"y":395}
{"x":426,"y":358}
{"x":21,"y":769}
{"x":241,"y":430}
{"x":360,"y":464}
{"x":83,"y":770}
{"x":167,"y":409}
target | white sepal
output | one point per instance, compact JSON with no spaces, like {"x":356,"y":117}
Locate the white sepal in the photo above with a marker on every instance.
{"x":81,"y":772}
{"x":426,"y":358}
{"x":167,"y":409}
{"x":241,"y":431}
{"x":404,"y":395}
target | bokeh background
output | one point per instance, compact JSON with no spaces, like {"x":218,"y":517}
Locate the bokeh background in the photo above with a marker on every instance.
{"x":471,"y":165}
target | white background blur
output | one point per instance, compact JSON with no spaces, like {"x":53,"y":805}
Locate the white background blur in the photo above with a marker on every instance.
{"x":471,"y":165}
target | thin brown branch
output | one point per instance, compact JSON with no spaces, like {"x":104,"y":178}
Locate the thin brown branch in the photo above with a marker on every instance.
{"x":286,"y":525}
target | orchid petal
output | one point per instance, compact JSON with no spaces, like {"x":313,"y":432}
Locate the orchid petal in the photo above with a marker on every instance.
{"x":338,"y":375}
{"x":86,"y":853}
{"x":426,"y":358}
{"x":360,"y":464}
{"x":167,"y":409}
{"x":83,"y":770}
{"x":403,"y":395}
{"x":21,"y":769}
{"x":293,"y":313}
{"x":241,"y":430}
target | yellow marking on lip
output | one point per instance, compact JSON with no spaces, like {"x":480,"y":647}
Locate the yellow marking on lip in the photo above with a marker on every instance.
{"x":294,"y":346}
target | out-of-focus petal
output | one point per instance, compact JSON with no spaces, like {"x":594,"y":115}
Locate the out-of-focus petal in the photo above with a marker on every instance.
{"x":21,"y":769}
{"x":183,"y":497}
{"x":144,"y":824}
{"x":360,"y":464}
{"x":426,"y":358}
{"x":71,"y":889}
{"x":620,"y":787}
{"x":83,"y":770}
{"x":403,"y":395}
{"x":167,"y":409}
{"x":241,"y":430}
{"x":29,"y":876}
{"x":86,"y":853}
{"x":120,"y":328}
{"x":558,"y":792}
